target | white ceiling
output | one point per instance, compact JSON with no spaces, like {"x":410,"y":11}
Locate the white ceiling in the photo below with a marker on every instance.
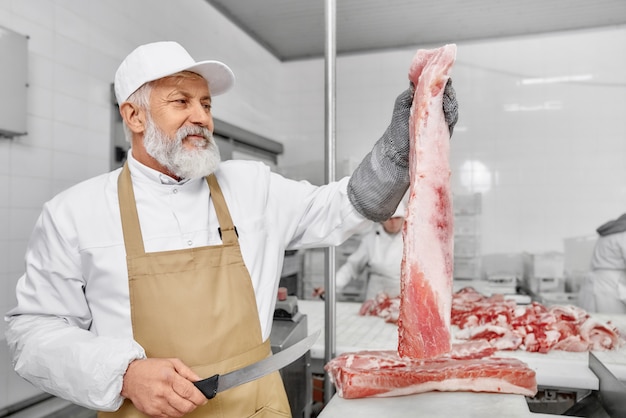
{"x":295,"y":29}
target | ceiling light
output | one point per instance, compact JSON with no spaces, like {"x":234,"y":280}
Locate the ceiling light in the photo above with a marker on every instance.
{"x":556,"y":79}
{"x":549,"y":105}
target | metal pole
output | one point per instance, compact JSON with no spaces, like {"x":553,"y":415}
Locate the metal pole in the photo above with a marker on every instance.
{"x":329,"y":285}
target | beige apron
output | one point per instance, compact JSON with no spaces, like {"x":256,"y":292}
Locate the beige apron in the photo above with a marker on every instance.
{"x":198,"y":305}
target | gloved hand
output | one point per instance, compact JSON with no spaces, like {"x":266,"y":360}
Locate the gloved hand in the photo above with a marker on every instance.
{"x":382,"y":178}
{"x":450,"y":106}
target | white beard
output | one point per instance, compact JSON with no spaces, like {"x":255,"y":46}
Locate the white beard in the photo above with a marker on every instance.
{"x":184,"y":163}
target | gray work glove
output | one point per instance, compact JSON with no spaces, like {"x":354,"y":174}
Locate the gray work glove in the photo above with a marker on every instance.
{"x":382,"y":178}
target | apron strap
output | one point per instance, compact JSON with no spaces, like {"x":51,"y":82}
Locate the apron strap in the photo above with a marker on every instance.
{"x":130,"y":218}
{"x":227,"y":229}
{"x":128,"y":212}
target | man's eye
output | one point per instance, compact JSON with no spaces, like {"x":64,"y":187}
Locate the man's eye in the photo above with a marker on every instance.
{"x":207,"y":106}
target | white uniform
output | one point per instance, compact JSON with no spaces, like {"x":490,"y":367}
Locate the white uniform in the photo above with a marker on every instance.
{"x":381,"y":252}
{"x":73,"y":304}
{"x":605,"y":288}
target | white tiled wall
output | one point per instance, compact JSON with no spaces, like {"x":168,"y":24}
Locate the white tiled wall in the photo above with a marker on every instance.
{"x":551,"y":174}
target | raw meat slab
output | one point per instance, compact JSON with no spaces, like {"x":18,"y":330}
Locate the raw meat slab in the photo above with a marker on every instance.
{"x":384,"y":373}
{"x":427,"y":264}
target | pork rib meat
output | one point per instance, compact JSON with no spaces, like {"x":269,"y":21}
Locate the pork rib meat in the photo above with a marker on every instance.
{"x":427,"y":263}
{"x":385,"y":374}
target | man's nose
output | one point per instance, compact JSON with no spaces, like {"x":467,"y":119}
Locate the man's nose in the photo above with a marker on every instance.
{"x":200,"y":115}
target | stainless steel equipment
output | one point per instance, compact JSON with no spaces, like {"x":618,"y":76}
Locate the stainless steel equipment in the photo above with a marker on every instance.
{"x":291,"y":275}
{"x":612,"y":391}
{"x":289,"y":327}
{"x":607,"y":402}
{"x":47,"y":406}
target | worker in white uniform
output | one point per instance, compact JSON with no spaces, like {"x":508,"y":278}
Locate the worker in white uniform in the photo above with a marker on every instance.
{"x":604,"y":288}
{"x":143,"y":280}
{"x":380,"y":253}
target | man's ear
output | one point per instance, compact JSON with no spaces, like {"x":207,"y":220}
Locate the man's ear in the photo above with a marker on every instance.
{"x":134,"y":117}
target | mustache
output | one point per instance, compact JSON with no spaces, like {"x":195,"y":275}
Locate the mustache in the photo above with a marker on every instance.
{"x":185,"y":131}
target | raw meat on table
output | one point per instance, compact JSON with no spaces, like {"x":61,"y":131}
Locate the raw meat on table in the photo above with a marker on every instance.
{"x":506,"y":325}
{"x":383,"y":306}
{"x":533,"y":327}
{"x":384,"y":374}
{"x":427,"y":262}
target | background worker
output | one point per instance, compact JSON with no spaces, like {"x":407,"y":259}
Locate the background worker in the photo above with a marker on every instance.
{"x":604,"y":289}
{"x":380,"y":253}
{"x":143,"y":280}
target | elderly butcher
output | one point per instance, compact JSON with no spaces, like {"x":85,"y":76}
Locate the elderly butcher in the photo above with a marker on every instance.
{"x":141,"y":281}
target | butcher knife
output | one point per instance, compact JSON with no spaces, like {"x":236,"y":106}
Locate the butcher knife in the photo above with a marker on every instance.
{"x":211,"y":386}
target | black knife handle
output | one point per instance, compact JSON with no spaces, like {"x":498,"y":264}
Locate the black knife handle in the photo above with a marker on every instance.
{"x":208,"y":386}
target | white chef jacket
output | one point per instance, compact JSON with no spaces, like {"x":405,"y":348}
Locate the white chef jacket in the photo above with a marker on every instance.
{"x":381,"y":253}
{"x":71,"y":333}
{"x":604,"y":289}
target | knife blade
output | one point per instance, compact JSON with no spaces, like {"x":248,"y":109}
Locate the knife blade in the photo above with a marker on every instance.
{"x":211,"y":386}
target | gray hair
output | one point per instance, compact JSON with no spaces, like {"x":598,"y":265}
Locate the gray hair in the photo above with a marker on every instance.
{"x":141,"y":98}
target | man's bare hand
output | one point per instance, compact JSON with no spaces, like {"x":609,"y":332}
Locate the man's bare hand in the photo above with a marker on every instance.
{"x":162,"y":388}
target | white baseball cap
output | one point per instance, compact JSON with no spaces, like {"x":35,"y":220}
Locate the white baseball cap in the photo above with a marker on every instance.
{"x":160,"y":59}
